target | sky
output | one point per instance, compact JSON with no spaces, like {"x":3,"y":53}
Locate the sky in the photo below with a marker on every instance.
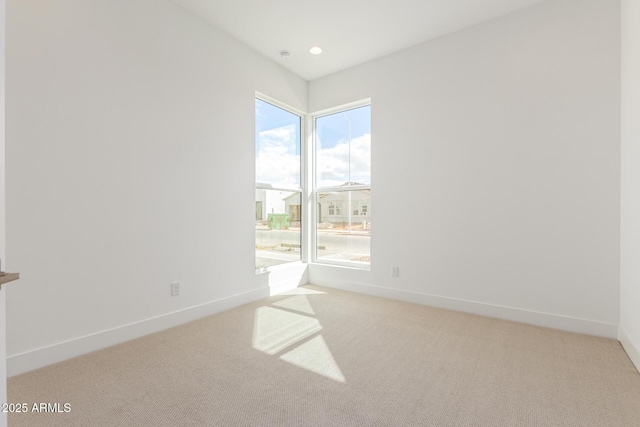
{"x":278,"y":147}
{"x":342,"y":140}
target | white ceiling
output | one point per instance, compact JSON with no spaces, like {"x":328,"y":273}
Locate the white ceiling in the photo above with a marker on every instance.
{"x":350,"y":31}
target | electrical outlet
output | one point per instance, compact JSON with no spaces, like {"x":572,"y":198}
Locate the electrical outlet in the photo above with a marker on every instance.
{"x":175,"y":289}
{"x":395,"y":271}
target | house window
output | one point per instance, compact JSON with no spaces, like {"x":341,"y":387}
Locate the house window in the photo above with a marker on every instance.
{"x":342,"y":160}
{"x":278,"y":184}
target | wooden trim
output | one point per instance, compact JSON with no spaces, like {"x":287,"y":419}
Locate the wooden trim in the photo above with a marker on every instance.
{"x":8,"y":277}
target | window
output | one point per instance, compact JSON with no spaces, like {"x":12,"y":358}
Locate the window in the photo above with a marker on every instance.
{"x":355,"y":205}
{"x":342,"y":188}
{"x":278,"y":185}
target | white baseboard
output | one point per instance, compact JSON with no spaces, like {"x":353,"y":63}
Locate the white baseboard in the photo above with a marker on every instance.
{"x":38,"y":358}
{"x":547,"y":320}
{"x":629,"y":346}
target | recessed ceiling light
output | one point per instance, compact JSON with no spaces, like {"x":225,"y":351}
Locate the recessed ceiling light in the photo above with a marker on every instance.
{"x":315,"y":50}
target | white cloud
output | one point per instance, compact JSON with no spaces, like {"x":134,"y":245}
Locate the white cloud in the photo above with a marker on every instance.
{"x":276,"y":161}
{"x":333,"y":163}
{"x":278,"y":164}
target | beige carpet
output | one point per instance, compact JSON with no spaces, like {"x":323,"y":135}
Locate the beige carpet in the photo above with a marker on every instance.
{"x":322,"y":357}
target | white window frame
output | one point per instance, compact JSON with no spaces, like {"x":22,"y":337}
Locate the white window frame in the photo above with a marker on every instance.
{"x":313,"y":192}
{"x":304,"y":198}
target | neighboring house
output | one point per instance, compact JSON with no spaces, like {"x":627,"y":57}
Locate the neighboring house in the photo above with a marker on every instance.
{"x":275,"y":201}
{"x":292,"y":206}
{"x":334,"y":207}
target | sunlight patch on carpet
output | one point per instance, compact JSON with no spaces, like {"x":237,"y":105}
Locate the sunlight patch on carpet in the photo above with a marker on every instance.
{"x":298,"y":303}
{"x":315,"y":356}
{"x":302,"y":291}
{"x":274,"y":330}
{"x":288,"y":328}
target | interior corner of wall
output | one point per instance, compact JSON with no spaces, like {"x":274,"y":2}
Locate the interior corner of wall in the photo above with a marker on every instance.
{"x":630,"y":347}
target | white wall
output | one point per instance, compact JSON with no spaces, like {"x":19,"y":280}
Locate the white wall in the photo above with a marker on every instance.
{"x":630,"y":227}
{"x":3,"y":320}
{"x":509,"y":132}
{"x":129,"y":166}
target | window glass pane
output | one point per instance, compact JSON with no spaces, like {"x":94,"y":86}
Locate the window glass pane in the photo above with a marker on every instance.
{"x":343,"y":148}
{"x":344,"y":234}
{"x":277,"y":146}
{"x":278,"y":215}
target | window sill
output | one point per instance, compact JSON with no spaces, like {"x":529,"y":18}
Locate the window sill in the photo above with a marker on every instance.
{"x":341,"y":264}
